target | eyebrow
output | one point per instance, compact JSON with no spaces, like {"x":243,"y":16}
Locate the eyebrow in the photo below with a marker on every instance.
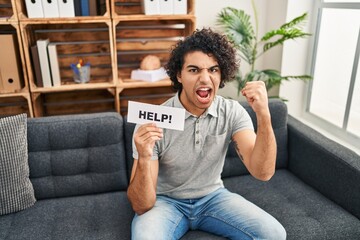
{"x":194,"y":66}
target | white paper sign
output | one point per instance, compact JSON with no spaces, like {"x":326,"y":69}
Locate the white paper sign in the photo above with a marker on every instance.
{"x":163,"y":116}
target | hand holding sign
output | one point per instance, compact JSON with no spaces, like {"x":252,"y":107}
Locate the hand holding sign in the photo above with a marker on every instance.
{"x":163,"y":116}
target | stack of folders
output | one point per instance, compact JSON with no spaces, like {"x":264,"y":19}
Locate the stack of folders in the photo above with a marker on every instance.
{"x":153,"y":7}
{"x":63,"y":8}
{"x":45,"y":63}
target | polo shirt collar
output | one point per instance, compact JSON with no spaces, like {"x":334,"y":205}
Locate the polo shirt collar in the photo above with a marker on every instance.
{"x":211,"y":110}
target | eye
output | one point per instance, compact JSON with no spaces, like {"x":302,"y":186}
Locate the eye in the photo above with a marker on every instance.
{"x":193,"y":70}
{"x":214,"y":69}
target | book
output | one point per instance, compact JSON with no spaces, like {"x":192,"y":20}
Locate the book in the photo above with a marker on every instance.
{"x":77,"y":7}
{"x":54,"y":64}
{"x":44,"y":62}
{"x":84,"y":7}
{"x":101,"y":7}
{"x":93,"y":8}
{"x":9,"y":64}
{"x":36,"y":65}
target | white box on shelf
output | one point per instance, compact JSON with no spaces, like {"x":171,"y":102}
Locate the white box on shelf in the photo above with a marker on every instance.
{"x":166,"y":7}
{"x":149,"y":75}
{"x":180,"y":6}
{"x":34,"y":8}
{"x":51,"y":9}
{"x":150,"y":7}
{"x":66,"y":8}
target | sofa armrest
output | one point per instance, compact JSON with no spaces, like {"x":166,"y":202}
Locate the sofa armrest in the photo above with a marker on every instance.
{"x":327,"y":166}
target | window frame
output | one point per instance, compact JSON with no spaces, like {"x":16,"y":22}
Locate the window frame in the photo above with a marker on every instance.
{"x":340,"y":132}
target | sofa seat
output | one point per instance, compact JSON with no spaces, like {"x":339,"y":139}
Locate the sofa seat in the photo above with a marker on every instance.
{"x":303,"y":211}
{"x":98,"y":216}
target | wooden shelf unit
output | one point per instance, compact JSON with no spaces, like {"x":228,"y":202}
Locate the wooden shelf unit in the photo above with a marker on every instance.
{"x":113,"y":43}
{"x":18,"y":101}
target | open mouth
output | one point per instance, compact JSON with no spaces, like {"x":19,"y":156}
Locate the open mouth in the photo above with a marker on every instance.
{"x":203,"y":94}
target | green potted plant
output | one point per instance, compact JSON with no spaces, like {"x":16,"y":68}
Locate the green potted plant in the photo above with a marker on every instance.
{"x":237,"y":27}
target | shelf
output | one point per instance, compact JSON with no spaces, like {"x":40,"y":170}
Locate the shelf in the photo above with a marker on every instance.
{"x":73,"y":87}
{"x":130,"y":83}
{"x":22,"y":93}
{"x":143,"y":17}
{"x":73,"y":20}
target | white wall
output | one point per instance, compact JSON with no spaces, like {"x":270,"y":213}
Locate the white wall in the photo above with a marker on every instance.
{"x":296,"y":59}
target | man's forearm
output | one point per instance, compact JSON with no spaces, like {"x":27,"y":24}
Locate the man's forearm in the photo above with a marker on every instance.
{"x":142,"y":190}
{"x":263,"y":158}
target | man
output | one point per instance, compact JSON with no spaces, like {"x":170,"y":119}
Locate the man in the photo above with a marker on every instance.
{"x":176,"y":177}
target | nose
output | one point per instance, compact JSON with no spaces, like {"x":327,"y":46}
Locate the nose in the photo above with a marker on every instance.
{"x":205,"y":75}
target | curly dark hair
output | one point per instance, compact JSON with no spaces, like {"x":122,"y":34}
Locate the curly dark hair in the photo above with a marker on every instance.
{"x":208,"y":42}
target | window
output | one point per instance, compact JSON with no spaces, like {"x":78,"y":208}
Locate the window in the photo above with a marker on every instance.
{"x":334,"y":98}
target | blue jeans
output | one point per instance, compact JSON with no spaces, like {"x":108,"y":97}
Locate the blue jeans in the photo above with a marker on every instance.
{"x":222,"y":213}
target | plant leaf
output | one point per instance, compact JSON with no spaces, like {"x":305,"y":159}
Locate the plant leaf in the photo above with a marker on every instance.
{"x":296,"y":21}
{"x":237,"y":26}
{"x":290,"y":30}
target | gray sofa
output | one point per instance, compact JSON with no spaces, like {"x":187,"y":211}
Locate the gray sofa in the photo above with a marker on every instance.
{"x":80,"y":166}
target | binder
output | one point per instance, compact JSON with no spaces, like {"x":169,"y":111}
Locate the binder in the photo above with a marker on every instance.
{"x":84,"y":7}
{"x":66,"y":8}
{"x":36,"y":66}
{"x":44,"y":61}
{"x":166,"y":7}
{"x":101,"y":7}
{"x":93,"y":9}
{"x":54,"y":65}
{"x":77,"y":7}
{"x":180,"y":6}
{"x":150,"y":7}
{"x":10,"y":64}
{"x":50,"y":8}
{"x":34,"y":8}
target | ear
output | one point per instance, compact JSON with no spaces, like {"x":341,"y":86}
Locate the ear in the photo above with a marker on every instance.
{"x":179,"y":77}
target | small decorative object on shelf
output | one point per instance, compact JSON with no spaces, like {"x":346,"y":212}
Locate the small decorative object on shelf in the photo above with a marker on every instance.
{"x":81,"y":72}
{"x":150,"y":70}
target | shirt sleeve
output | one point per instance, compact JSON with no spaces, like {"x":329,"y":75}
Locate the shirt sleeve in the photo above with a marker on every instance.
{"x":241,"y":119}
{"x":135,"y":152}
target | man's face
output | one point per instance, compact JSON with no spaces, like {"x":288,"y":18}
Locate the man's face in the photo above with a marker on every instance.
{"x":200,"y":78}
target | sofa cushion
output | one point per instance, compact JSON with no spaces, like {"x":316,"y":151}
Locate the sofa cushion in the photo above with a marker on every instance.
{"x":100,"y":216}
{"x":303,"y":211}
{"x":234,"y":167}
{"x":16,"y":190}
{"x":76,"y":154}
{"x":329,"y":167}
